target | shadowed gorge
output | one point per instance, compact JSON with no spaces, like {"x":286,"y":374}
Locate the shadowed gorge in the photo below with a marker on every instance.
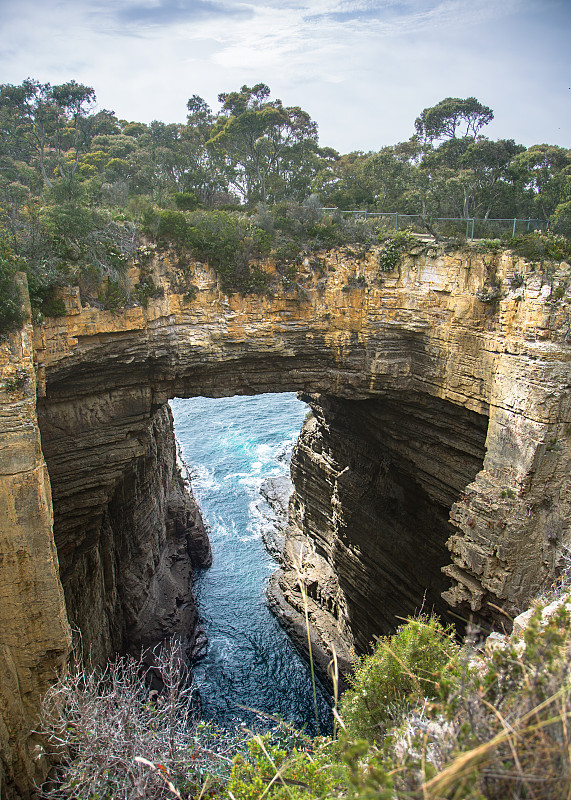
{"x":126,"y":531}
{"x":369,"y":521}
{"x":440,"y":439}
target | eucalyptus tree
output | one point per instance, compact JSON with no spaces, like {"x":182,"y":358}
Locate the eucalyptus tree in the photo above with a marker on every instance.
{"x":488,"y":164}
{"x":47,"y":122}
{"x":366,"y":180}
{"x":447,"y":117}
{"x":542,"y":175}
{"x":257,"y":138}
{"x":206,"y":167}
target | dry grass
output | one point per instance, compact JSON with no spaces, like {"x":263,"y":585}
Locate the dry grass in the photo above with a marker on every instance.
{"x":113,"y":737}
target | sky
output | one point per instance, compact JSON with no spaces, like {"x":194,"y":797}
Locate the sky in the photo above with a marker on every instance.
{"x":363,"y":69}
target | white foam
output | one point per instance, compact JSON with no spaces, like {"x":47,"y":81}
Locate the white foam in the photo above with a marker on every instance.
{"x":203,"y":478}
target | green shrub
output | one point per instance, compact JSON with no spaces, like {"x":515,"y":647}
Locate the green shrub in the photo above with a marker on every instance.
{"x":147,"y":289}
{"x":185,"y":201}
{"x":191,"y":294}
{"x":293,"y":774}
{"x":52,"y":304}
{"x":410,"y":663}
{"x":67,"y":225}
{"x":172,"y":226}
{"x":394,"y":246}
{"x":561,"y":219}
{"x":326,"y":233}
{"x":43,"y":285}
{"x":498,"y":727}
{"x":422,"y":719}
{"x":18,"y":381}
{"x":540,"y":247}
{"x":11,"y":312}
{"x":229,"y":244}
{"x":488,"y":246}
{"x":112,"y":296}
{"x":287,"y":252}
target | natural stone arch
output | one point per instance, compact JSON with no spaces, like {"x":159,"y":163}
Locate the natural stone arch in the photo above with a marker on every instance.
{"x":423,"y":332}
{"x":104,"y":377}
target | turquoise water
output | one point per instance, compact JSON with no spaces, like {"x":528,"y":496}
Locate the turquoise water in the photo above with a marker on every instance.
{"x":231,"y":445}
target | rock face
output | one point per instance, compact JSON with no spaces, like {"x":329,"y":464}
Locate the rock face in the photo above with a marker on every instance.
{"x":442,"y":420}
{"x":126,"y":530}
{"x":34,"y":632}
{"x":375,"y":481}
{"x":123,"y":541}
{"x":277,"y":492}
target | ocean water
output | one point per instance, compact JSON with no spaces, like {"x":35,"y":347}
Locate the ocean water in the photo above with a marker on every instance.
{"x":230,"y":446}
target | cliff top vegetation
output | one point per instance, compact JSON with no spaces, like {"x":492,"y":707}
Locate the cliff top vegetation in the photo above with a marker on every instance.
{"x":79,"y":187}
{"x":424,"y":718}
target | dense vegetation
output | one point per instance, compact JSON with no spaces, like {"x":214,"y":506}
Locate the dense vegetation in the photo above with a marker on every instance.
{"x":79,"y":187}
{"x":424,"y":718}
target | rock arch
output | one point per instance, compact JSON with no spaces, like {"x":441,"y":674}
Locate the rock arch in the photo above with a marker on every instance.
{"x":415,"y":356}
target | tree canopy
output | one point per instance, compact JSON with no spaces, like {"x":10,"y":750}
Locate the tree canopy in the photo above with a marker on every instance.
{"x":443,"y":120}
{"x":77,"y":182}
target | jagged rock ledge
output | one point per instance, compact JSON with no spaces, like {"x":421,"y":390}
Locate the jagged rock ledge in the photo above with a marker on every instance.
{"x":276,"y":491}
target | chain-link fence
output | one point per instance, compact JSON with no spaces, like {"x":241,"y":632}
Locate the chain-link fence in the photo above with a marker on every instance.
{"x":470,"y":227}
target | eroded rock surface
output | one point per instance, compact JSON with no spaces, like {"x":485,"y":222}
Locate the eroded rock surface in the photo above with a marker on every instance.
{"x":277,"y":492}
{"x":127,"y":532}
{"x":418,"y":386}
{"x":34,"y":632}
{"x":375,"y":481}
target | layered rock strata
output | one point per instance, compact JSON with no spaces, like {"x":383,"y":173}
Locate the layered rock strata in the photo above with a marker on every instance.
{"x":34,"y":633}
{"x":277,"y":492}
{"x":479,"y":382}
{"x":369,"y":521}
{"x":127,"y":532}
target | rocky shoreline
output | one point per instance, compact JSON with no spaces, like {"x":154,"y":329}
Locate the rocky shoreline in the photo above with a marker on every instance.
{"x":276,"y":491}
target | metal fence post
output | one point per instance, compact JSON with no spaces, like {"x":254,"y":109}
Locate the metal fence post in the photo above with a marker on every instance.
{"x":396,"y":221}
{"x":513,"y":232}
{"x":473,"y":221}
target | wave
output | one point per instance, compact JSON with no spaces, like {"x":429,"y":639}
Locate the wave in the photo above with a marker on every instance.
{"x":232,"y":445}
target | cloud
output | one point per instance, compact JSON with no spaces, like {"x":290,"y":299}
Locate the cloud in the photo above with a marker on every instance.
{"x":403,"y":17}
{"x":363,"y":69}
{"x":170,"y":12}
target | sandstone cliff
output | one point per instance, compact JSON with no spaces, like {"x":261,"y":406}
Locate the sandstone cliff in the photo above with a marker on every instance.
{"x":375,"y":480}
{"x":121,"y":538}
{"x":126,"y":531}
{"x":442,"y":420}
{"x":34,"y":632}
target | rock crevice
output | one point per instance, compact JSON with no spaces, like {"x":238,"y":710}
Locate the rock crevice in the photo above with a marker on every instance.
{"x":369,"y":521}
